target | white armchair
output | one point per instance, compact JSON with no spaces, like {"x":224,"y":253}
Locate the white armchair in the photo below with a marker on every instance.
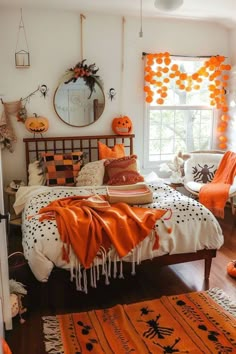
{"x":200,"y":168}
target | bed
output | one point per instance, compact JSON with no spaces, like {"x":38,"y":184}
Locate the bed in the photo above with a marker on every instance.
{"x":195,"y":233}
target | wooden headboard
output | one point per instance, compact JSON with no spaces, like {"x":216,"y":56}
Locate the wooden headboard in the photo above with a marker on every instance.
{"x":88,"y":144}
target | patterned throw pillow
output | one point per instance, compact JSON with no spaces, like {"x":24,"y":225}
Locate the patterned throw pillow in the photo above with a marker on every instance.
{"x":123,"y":171}
{"x":110,"y":153}
{"x":91,"y":174}
{"x":62,"y":169}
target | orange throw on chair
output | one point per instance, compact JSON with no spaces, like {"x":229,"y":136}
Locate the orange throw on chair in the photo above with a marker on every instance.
{"x":88,"y":224}
{"x":5,"y":348}
{"x":214,"y":195}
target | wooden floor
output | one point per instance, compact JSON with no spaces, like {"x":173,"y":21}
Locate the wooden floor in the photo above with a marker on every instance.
{"x":149,"y":282}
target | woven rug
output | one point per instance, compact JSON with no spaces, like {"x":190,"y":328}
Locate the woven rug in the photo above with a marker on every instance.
{"x":198,"y":322}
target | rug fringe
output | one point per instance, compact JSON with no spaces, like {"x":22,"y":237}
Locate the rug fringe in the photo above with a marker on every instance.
{"x":52,"y":335}
{"x":223,"y":300}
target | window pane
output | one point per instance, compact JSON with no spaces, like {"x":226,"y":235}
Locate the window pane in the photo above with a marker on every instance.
{"x":176,"y":130}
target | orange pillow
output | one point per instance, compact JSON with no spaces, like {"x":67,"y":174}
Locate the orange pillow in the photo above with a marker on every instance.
{"x":123,"y":171}
{"x":104,"y":152}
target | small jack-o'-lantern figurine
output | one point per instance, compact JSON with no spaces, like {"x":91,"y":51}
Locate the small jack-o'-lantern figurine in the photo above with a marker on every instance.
{"x":36,"y":124}
{"x":231,"y":268}
{"x":122,"y":125}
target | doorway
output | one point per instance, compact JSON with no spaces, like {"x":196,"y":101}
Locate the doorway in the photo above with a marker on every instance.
{"x":4,"y":271}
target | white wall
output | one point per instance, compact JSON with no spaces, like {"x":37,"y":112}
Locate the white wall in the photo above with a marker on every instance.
{"x":54,"y":44}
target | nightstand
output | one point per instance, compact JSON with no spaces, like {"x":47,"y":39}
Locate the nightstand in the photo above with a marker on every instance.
{"x":11,"y":195}
{"x":173,"y":185}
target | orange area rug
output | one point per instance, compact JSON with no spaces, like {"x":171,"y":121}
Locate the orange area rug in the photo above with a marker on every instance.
{"x":198,"y":322}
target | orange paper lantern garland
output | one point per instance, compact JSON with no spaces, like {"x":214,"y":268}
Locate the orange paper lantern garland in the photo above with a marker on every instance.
{"x":214,"y":69}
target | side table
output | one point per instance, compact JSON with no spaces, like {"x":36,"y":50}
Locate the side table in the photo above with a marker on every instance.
{"x":11,"y":194}
{"x":173,"y":185}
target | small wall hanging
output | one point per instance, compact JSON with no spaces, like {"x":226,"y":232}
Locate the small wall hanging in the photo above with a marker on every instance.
{"x":111,"y":94}
{"x":122,"y":125}
{"x":22,"y":56}
{"x":17,"y":109}
{"x":37,"y":124}
{"x":84,"y":71}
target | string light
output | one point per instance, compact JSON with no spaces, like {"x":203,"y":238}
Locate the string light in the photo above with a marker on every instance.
{"x":214,"y":69}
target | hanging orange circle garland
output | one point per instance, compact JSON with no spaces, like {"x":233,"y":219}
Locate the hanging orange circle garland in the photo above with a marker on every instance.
{"x":156,"y":82}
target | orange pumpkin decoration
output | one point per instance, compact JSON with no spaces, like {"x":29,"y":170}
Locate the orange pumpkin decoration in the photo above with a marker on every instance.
{"x":231,"y":268}
{"x":122,"y":125}
{"x":36,"y":124}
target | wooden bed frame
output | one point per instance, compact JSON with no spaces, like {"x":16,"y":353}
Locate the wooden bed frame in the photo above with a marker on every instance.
{"x":89,"y":144}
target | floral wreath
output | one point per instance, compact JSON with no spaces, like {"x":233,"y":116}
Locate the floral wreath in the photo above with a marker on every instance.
{"x":86,"y":72}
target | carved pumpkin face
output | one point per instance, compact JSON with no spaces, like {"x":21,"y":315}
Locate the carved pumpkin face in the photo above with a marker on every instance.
{"x":122,"y":125}
{"x":37,"y":124}
{"x":231,"y":268}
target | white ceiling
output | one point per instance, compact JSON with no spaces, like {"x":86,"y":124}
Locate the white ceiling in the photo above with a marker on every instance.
{"x":220,"y":11}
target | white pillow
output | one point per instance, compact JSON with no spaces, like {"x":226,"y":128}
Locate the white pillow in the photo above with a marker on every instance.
{"x":36,"y":175}
{"x":91,"y":174}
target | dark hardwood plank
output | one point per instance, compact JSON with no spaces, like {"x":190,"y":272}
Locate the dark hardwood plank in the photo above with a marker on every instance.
{"x":150,"y":281}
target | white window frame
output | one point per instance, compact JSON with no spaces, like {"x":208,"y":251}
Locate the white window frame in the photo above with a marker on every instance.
{"x":147,"y":164}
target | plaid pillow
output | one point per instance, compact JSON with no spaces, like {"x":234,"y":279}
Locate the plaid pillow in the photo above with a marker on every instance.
{"x":62,"y":169}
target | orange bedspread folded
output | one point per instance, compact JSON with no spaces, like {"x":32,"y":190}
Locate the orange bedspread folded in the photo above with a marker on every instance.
{"x":214,"y":195}
{"x":88,"y":224}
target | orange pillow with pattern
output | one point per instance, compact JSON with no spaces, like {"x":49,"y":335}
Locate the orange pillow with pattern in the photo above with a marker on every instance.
{"x":123,"y":171}
{"x":105,"y":152}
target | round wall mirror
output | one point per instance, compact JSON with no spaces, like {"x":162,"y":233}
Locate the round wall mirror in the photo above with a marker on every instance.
{"x":76,"y":105}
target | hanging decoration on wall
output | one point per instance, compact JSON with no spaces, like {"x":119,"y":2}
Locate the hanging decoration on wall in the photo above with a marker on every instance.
{"x":22,"y":113}
{"x":111,"y":94}
{"x":37,"y":124}
{"x":84,"y":71}
{"x":122,"y":125}
{"x":16,"y":109}
{"x":7,"y":134}
{"x":22,"y":55}
{"x":214,"y":68}
{"x":81,"y":69}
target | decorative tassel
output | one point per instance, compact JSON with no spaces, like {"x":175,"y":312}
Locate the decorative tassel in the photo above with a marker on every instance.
{"x":78,"y":277}
{"x":73,"y":267}
{"x":138,"y":254}
{"x":94,"y":276}
{"x":91,"y":277}
{"x":121,"y":276}
{"x":98,"y":269}
{"x":109,"y":264}
{"x":133,"y":264}
{"x":156,"y":242}
{"x":106,"y":275}
{"x":115,"y":267}
{"x":168,"y":228}
{"x":85,"y":281}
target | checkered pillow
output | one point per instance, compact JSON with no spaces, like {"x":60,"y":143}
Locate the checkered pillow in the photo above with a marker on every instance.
{"x":62,"y":169}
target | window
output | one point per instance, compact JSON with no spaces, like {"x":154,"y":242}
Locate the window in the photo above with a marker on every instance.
{"x":185,"y":121}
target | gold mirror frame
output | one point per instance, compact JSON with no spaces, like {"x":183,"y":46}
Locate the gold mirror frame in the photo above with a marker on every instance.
{"x":76,"y":106}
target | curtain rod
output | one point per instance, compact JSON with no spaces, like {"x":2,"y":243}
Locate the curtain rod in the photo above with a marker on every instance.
{"x":187,"y":56}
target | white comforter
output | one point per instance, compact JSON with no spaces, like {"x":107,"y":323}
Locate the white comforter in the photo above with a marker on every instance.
{"x":193,"y":227}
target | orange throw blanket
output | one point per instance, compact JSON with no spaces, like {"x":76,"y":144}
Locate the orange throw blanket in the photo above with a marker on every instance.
{"x":214,"y":195}
{"x":88,"y":224}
